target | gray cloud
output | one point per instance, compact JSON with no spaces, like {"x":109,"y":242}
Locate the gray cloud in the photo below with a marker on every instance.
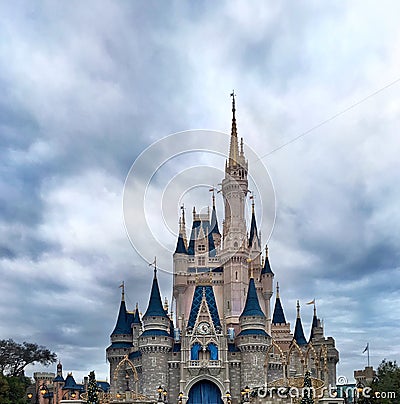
{"x":86,"y":88}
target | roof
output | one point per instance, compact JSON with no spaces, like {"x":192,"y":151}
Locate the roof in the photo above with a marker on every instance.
{"x":313,"y":325}
{"x":252,"y":306}
{"x":267,"y":267}
{"x":196,"y":303}
{"x":58,"y":378}
{"x":258,"y":331}
{"x":155,"y":307}
{"x":120,"y":345}
{"x":208,"y":232}
{"x":104,"y":386}
{"x":253,"y":228}
{"x":123,"y":325}
{"x":180,"y":246}
{"x":299,"y":333}
{"x":154,"y":333}
{"x":134,"y":355}
{"x":214,"y":222}
{"x":279,"y":316}
{"x":136,"y":317}
{"x":70,"y":383}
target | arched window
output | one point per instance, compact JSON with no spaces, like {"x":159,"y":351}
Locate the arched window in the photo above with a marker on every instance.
{"x":213,"y":351}
{"x":194,"y":352}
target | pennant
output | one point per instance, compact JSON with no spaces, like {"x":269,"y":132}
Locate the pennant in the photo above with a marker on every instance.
{"x":312,"y":302}
{"x":366,"y":348}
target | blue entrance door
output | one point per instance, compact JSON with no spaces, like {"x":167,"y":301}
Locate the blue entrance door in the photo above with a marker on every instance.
{"x":205,"y":392}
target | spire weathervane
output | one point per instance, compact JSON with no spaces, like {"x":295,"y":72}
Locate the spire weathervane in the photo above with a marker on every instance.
{"x":154,"y":264}
{"x":122,"y":286}
{"x":234,"y":148}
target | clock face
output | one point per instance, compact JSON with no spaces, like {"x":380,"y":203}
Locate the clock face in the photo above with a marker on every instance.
{"x":203,"y":328}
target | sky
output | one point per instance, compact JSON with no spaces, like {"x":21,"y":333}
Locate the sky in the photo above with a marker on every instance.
{"x":87,"y":89}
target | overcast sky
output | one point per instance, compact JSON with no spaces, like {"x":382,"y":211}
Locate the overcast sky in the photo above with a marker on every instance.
{"x":86,"y":87}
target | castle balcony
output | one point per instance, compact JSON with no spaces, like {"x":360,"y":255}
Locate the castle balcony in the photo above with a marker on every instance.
{"x":205,"y":363}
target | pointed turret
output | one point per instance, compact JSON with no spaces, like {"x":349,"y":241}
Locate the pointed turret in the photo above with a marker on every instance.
{"x":122,"y":326}
{"x":315,"y":323}
{"x":267,"y":267}
{"x":234,"y":147}
{"x":253,"y":226}
{"x":155,"y":307}
{"x":298,"y":331}
{"x":252,"y":306}
{"x":59,"y":378}
{"x":214,"y":220}
{"x":136,"y":317}
{"x":279,"y":316}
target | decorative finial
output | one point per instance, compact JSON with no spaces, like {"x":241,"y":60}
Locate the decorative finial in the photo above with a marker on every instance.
{"x":298,"y":309}
{"x":241,"y":146}
{"x":233,"y":103}
{"x":183,"y":215}
{"x":194,"y":212}
{"x":137,"y":307}
{"x":266,"y":251}
{"x":233,"y":148}
{"x":166,"y":304}
{"x":252,"y":204}
{"x":213,"y":196}
{"x":122,"y":286}
{"x":154,"y":263}
{"x":277,"y":290}
{"x":315,"y":309}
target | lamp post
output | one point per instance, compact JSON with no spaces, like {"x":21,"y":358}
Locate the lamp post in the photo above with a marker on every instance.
{"x":165,"y":393}
{"x":228,"y":397}
{"x":180,"y":397}
{"x":159,"y":391}
{"x":245,"y":394}
{"x":43,"y":390}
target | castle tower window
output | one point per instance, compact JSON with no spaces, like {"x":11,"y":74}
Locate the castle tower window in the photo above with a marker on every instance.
{"x":213,"y":349}
{"x":201,"y":247}
{"x":202,"y":261}
{"x":194,"y":352}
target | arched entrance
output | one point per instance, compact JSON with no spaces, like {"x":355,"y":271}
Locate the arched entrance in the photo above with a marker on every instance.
{"x":204,"y":392}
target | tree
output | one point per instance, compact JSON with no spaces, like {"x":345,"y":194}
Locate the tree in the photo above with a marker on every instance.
{"x":307,"y":390}
{"x":386,"y":387}
{"x":14,"y":357}
{"x":13,"y":389}
{"x":92,"y":389}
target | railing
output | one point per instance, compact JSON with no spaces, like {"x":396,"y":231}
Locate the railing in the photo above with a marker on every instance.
{"x":205,"y":363}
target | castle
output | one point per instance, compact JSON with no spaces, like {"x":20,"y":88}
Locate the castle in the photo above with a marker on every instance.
{"x":224,"y":342}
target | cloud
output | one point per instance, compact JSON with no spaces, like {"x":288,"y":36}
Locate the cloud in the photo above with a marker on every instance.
{"x":86,"y":88}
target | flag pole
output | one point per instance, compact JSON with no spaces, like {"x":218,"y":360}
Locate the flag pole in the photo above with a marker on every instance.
{"x":368,"y":354}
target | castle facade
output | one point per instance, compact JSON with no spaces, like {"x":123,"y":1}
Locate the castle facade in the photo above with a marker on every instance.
{"x":224,"y":342}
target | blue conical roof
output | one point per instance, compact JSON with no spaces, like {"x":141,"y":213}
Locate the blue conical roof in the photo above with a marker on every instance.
{"x":279,"y":316}
{"x":214,"y":222}
{"x":252,"y":306}
{"x":314,"y":323}
{"x":155,"y":307}
{"x":136,"y":317}
{"x":180,"y":246}
{"x":123,"y":326}
{"x":267,"y":267}
{"x":298,"y":331}
{"x":253,"y":228}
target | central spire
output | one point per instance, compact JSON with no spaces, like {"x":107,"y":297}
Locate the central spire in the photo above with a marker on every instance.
{"x":234,"y":147}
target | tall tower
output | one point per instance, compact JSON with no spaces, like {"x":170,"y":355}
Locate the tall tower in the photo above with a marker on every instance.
{"x":155,"y":342}
{"x":234,"y":253}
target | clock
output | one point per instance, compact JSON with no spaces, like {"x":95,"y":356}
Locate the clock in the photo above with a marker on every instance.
{"x":203,"y":328}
